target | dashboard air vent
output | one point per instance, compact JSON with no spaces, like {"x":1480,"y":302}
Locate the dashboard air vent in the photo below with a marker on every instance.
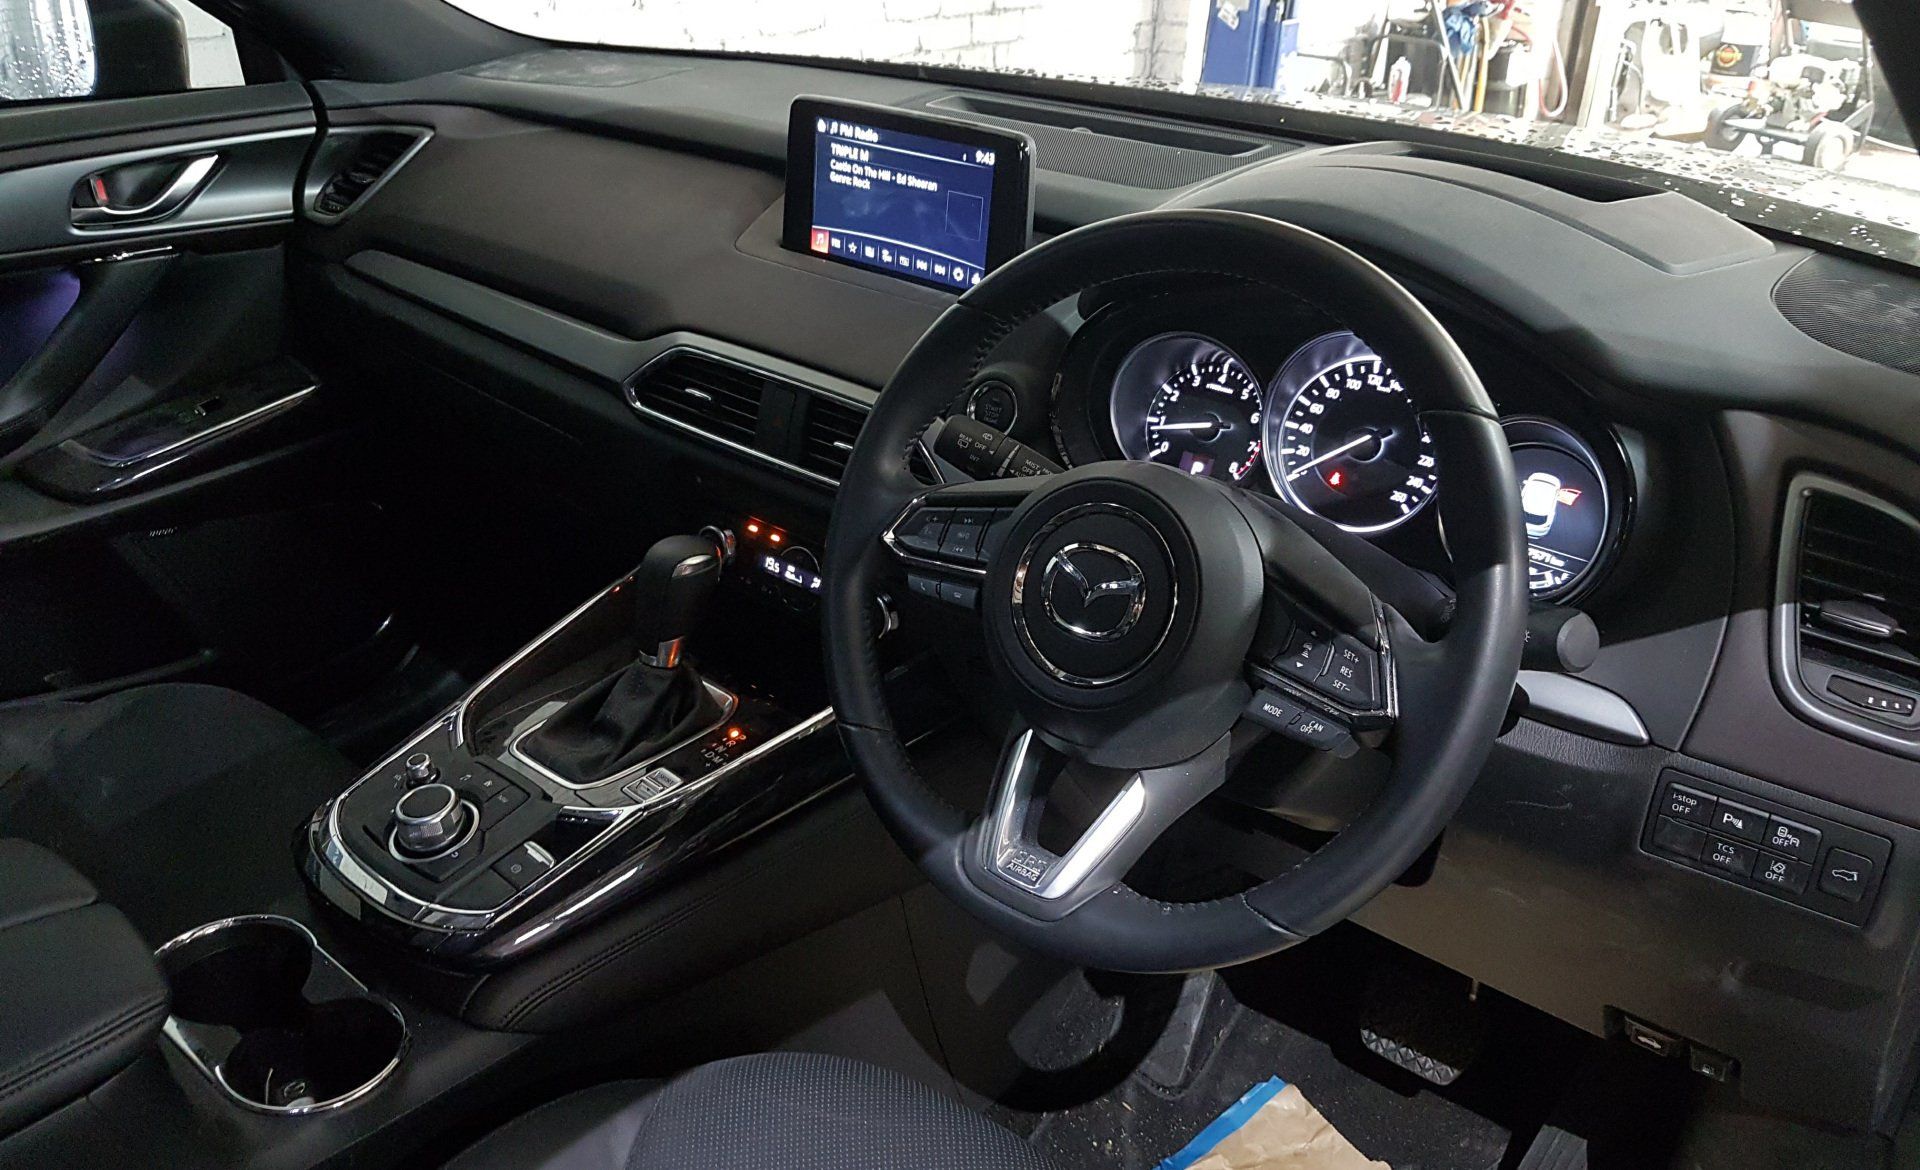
{"x":1847,"y":650}
{"x":704,"y":393}
{"x":369,"y":158}
{"x":827,"y":438}
{"x":1859,"y":595}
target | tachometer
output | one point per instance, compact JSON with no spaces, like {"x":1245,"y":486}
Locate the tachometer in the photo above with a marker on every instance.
{"x":1344,"y":439}
{"x":1184,"y":400}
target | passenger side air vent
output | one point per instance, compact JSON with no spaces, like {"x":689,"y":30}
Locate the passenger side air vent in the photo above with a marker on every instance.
{"x":826,"y":439}
{"x":704,"y":393}
{"x":351,"y":163}
{"x":1850,"y":611}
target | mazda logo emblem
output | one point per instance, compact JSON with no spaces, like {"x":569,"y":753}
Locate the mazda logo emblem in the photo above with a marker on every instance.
{"x":1093,"y":592}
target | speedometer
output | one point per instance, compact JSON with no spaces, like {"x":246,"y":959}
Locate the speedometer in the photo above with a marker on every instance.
{"x":1186,"y":401}
{"x":1344,"y":440}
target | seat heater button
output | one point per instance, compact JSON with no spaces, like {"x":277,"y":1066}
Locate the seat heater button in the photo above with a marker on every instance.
{"x":1782,"y":873}
{"x":525,"y":865}
{"x":1736,"y":821}
{"x":1795,"y":840}
{"x":1679,"y":838}
{"x":923,"y":531}
{"x":1846,"y":875}
{"x":1730,"y":856}
{"x":1684,"y":804}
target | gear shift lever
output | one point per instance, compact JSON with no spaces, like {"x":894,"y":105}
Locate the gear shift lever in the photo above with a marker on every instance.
{"x":670,"y":589}
{"x":658,"y":700}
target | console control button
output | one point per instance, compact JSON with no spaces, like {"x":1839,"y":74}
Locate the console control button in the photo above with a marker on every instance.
{"x":427,"y":819}
{"x":1795,"y":840}
{"x":420,"y":768}
{"x":1684,"y":804}
{"x":1733,"y":857}
{"x":1679,"y":838}
{"x":653,"y":787}
{"x":1782,"y":873}
{"x":1736,"y":821}
{"x":497,"y":806}
{"x":484,"y":891}
{"x":1846,"y":875}
{"x":525,"y":865}
{"x":923,"y":531}
{"x":446,"y":865}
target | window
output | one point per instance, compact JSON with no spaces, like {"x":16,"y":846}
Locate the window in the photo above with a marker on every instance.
{"x":52,"y":50}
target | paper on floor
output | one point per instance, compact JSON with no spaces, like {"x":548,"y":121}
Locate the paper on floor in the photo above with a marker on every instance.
{"x":1272,"y":1127}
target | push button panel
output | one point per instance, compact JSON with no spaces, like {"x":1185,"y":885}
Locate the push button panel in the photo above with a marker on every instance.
{"x":1812,"y":861}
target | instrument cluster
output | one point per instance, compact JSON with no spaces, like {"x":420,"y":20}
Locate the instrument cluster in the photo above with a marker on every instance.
{"x":1311,"y":414}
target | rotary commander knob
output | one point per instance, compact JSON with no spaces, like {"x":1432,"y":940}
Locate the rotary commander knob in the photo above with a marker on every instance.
{"x":428,"y":820}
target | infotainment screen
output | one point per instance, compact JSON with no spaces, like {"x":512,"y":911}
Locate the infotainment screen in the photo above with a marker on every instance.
{"x":922,"y":198}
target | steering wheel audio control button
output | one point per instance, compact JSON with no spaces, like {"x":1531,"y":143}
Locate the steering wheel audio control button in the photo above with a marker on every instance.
{"x":965,"y":535}
{"x":924,"y":530}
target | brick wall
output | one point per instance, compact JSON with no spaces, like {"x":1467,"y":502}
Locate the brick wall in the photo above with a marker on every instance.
{"x":1112,"y":40}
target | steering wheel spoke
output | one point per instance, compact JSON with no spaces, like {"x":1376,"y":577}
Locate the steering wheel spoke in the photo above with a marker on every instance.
{"x":1009,"y":863}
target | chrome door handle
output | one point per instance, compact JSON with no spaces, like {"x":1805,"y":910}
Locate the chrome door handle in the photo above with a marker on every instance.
{"x":184,"y":186}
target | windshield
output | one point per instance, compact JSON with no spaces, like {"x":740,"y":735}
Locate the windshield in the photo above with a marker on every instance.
{"x":1770,"y":110}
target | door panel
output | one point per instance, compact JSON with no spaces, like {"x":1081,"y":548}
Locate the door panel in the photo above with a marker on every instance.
{"x":144,"y":266}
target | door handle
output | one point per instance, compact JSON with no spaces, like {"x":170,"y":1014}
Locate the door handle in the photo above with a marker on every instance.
{"x":179,"y":190}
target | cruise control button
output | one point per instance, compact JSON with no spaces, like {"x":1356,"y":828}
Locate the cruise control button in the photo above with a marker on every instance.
{"x":1322,"y":734}
{"x":1846,"y":875}
{"x":1782,"y":873}
{"x":1684,"y":804}
{"x":525,"y":865}
{"x":1795,"y":840}
{"x":1350,"y":673}
{"x":1679,"y":838}
{"x":1737,"y":821}
{"x":1307,"y":653}
{"x":1730,"y":856}
{"x":923,"y":531}
{"x":1274,"y":710}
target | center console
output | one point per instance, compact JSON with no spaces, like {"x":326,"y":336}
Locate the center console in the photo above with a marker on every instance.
{"x":656,"y":724}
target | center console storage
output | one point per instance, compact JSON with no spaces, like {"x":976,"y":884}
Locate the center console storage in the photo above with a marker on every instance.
{"x":275,"y":1021}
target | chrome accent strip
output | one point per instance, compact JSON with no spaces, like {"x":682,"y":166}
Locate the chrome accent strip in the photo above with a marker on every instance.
{"x":473,"y":828}
{"x":198,"y":437}
{"x":631,"y":390}
{"x":1062,"y":875}
{"x":419,"y":912}
{"x":917,"y":560}
{"x":172,"y":1031}
{"x":1577,"y":705}
{"x":729,"y":703}
{"x":179,"y":192}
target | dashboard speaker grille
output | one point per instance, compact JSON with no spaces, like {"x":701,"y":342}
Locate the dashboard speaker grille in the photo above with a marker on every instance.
{"x":706,"y":394}
{"x":1855,"y":309}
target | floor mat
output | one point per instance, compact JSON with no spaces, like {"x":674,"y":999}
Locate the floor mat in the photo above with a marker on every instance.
{"x":1156,"y":1109}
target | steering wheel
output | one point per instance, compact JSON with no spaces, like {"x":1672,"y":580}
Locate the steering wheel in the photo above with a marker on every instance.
{"x":1136,"y":616}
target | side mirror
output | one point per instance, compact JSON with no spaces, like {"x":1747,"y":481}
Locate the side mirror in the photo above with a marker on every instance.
{"x":94,"y":48}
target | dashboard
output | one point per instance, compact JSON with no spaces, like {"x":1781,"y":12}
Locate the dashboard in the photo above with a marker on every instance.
{"x":1283,"y":400}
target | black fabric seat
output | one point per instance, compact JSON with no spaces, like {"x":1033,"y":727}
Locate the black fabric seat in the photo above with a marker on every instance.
{"x":180,"y":802}
{"x":781,"y":1111}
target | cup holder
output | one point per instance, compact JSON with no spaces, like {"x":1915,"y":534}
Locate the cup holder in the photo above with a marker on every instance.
{"x":274,"y":1020}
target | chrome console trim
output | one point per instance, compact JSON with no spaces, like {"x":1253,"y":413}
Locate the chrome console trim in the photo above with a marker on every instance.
{"x":729,"y":703}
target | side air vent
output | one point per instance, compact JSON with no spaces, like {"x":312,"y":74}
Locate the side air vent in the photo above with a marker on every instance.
{"x":826,"y":439}
{"x":1850,"y":610}
{"x":704,"y":393}
{"x":351,"y":163}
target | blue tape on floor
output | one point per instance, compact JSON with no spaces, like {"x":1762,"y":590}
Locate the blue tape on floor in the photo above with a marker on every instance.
{"x":1218,"y":1129}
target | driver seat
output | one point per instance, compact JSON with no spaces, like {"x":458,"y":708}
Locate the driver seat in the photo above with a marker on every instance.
{"x":779,"y":1111}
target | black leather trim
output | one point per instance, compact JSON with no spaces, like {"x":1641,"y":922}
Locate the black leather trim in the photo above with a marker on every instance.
{"x":82,"y":994}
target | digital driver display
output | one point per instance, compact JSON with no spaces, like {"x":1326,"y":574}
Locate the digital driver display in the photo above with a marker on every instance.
{"x":1565,"y":507}
{"x":920,"y":198}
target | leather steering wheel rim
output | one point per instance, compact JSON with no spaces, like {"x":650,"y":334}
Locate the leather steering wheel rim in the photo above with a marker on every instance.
{"x":1462,"y":681}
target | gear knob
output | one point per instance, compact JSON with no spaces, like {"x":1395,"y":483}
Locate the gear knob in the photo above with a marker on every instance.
{"x":670,"y":590}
